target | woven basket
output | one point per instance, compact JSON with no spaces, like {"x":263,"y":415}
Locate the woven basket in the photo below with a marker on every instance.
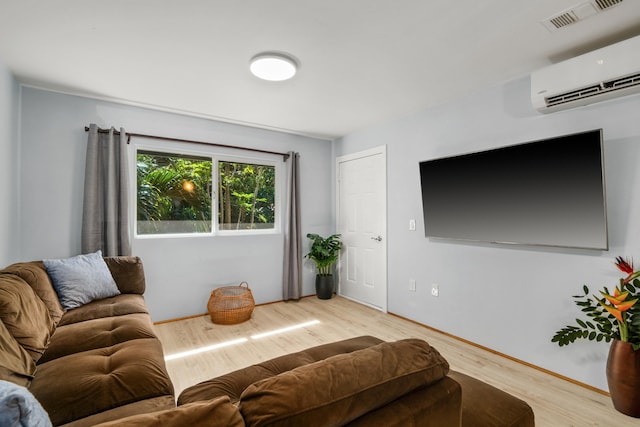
{"x":229,"y":305}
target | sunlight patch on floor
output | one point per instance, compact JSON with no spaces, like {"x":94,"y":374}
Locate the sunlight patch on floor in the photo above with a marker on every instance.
{"x":204,"y":349}
{"x":238,"y":341}
{"x":283,"y":330}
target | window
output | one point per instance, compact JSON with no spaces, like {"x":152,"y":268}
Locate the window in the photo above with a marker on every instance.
{"x":247,"y":196}
{"x":175,"y":194}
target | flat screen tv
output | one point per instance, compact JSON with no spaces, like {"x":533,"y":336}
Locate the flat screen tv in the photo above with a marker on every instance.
{"x":549,"y":193}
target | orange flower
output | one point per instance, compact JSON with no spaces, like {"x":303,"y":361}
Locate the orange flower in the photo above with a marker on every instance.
{"x":618,"y":303}
{"x":625,"y":306}
{"x":616,"y":313}
{"x":617,"y":297}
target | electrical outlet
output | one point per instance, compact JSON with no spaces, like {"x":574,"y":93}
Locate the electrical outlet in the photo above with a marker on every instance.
{"x":435,"y":290}
{"x":412,"y":224}
{"x":412,"y":285}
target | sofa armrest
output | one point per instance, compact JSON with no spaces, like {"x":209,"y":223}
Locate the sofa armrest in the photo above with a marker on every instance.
{"x":128,"y":273}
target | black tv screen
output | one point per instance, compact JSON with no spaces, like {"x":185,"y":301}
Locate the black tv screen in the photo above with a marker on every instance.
{"x":549,"y":192}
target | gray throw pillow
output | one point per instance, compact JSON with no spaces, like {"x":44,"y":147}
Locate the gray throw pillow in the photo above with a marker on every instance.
{"x":81,"y":279}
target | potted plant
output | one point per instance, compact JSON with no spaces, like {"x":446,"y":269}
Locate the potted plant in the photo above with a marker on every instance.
{"x":613,"y":317}
{"x":324,"y":252}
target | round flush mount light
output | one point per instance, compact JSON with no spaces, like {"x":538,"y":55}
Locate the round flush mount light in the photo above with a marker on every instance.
{"x":273,"y":66}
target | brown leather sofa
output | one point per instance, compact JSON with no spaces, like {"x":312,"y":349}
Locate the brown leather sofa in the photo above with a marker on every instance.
{"x":94,"y":363}
{"x":357,"y":382}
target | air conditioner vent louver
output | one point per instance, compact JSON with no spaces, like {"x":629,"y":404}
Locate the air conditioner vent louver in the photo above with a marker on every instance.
{"x":586,"y":92}
{"x":605,"y":4}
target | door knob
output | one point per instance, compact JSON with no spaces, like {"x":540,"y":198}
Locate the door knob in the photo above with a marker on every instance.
{"x":377,"y":239}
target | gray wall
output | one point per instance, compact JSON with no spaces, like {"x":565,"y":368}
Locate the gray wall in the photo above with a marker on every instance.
{"x":181,"y":272}
{"x":9,"y":101}
{"x":506,"y":298}
{"x":511,"y":299}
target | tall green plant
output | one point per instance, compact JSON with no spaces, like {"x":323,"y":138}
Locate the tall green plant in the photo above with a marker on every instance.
{"x":324,"y":252}
{"x":612,"y":316}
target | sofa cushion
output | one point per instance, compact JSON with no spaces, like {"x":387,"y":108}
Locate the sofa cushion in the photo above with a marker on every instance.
{"x":36,"y":276}
{"x":97,"y":333}
{"x":438,"y":405}
{"x":16,"y":365}
{"x":219,"y":412}
{"x":81,"y":279}
{"x":109,"y":307}
{"x":82,"y":384}
{"x":25,"y":315}
{"x":341,"y":388}
{"x":486,"y":406}
{"x":234,"y":383}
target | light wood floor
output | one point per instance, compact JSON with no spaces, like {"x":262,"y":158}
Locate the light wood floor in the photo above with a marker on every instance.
{"x":556,"y":402}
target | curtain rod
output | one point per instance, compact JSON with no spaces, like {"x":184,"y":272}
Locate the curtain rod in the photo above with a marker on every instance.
{"x":166,"y":138}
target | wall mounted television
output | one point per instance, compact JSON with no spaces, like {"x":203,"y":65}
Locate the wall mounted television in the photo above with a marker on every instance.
{"x":543,"y":193}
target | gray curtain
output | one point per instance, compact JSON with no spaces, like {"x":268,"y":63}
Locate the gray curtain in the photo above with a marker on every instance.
{"x":105,"y":215}
{"x":292,"y":237}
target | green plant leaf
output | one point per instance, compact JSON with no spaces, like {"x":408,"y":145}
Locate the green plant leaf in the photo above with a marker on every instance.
{"x":598,"y":323}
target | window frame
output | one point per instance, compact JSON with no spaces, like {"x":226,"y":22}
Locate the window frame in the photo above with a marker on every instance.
{"x":216,"y":155}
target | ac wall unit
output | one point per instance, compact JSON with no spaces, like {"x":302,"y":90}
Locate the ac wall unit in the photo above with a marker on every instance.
{"x":606,"y":73}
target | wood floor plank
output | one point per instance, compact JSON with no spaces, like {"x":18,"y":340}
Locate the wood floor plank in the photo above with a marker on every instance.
{"x":555,"y":402}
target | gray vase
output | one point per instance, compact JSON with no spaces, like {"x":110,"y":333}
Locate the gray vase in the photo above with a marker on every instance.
{"x":324,"y":286}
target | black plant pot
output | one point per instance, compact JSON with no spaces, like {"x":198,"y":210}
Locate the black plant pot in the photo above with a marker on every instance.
{"x":324,"y":286}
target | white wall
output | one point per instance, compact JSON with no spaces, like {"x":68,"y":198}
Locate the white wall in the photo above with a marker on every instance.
{"x":511,"y":299}
{"x":9,"y":98}
{"x":181,"y":272}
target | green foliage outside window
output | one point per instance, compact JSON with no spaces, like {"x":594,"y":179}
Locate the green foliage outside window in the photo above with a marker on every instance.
{"x":247,"y":196}
{"x":174,"y":194}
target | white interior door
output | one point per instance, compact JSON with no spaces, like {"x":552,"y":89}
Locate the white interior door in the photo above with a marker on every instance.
{"x":362,"y":222}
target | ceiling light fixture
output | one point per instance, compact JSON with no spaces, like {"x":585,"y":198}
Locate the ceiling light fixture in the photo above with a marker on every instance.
{"x":273,"y":66}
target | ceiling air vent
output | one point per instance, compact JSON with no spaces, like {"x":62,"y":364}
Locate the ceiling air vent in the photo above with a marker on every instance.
{"x":606,"y":4}
{"x":563,"y":20}
{"x":578,"y":13}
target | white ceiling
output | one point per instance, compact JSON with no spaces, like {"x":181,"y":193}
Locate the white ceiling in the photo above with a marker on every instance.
{"x":362,"y":61}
